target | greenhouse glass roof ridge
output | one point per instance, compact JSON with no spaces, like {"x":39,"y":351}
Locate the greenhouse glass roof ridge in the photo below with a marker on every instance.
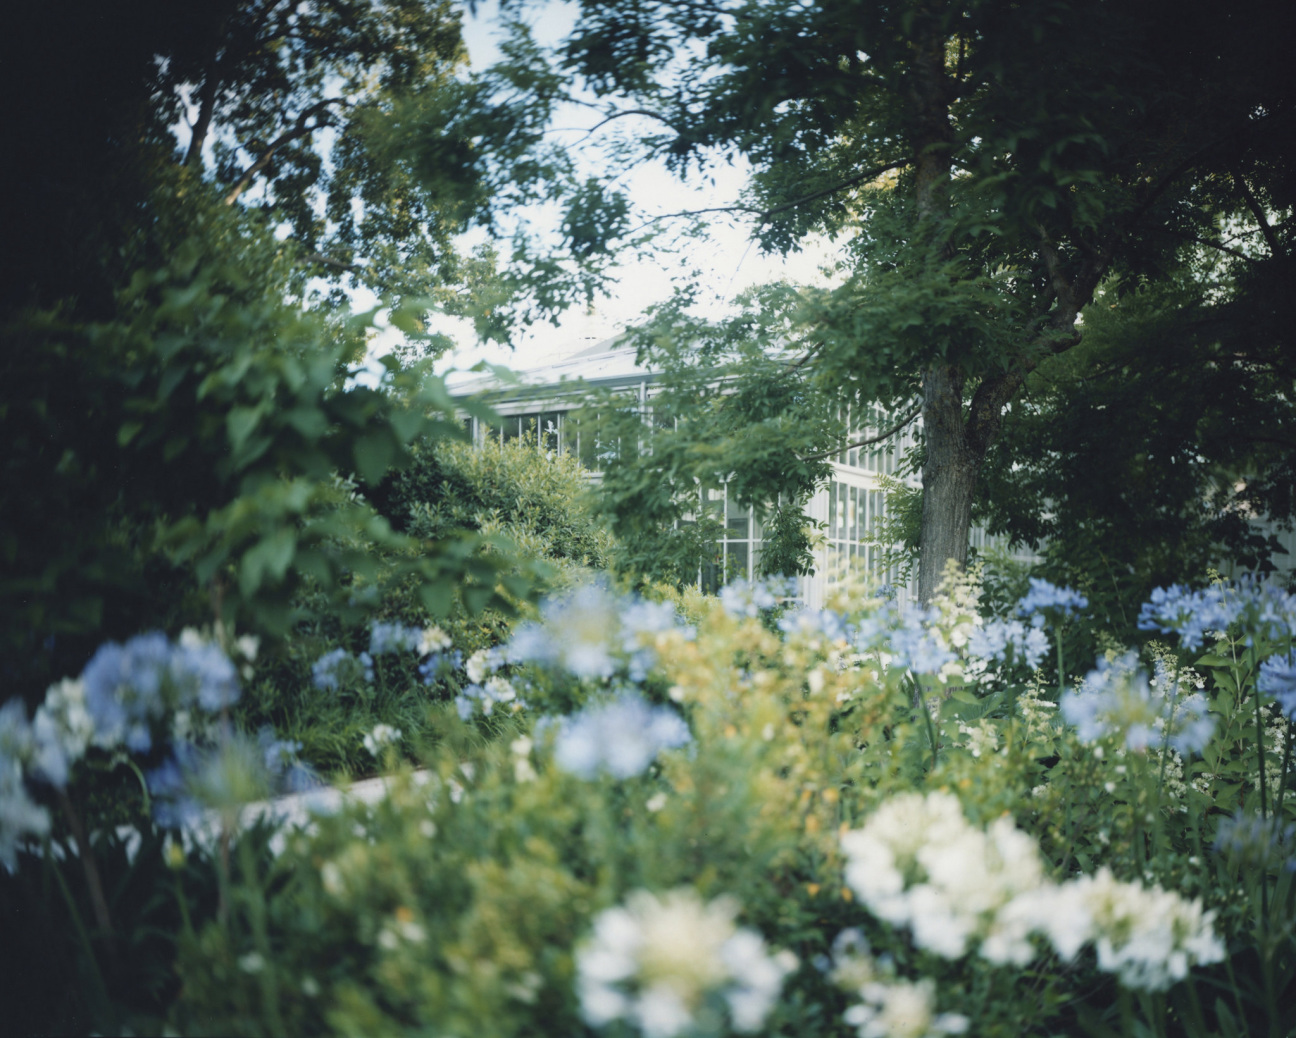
{"x":604,"y":362}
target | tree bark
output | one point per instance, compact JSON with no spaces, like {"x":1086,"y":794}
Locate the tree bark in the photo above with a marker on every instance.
{"x":949,"y":478}
{"x":949,"y":471}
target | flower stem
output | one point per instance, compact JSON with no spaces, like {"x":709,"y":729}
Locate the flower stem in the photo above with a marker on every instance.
{"x":1286,"y":765}
{"x":101,"y":988}
{"x":98,"y":902}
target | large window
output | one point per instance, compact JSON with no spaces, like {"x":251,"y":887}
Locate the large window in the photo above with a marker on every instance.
{"x":737,"y":551}
{"x":853,"y":512}
{"x":879,"y":459}
{"x":541,"y":428}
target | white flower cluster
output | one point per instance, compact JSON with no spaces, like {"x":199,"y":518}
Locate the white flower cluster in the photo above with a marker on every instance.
{"x":919,"y":863}
{"x":665,"y":964}
{"x":1148,"y":937}
{"x":889,"y":1007}
{"x":382,"y":736}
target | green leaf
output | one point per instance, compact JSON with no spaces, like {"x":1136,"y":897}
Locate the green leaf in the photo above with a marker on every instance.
{"x":437,"y":597}
{"x":270,"y":556}
{"x":374,"y":452}
{"x":240,"y":423}
{"x":128,"y":432}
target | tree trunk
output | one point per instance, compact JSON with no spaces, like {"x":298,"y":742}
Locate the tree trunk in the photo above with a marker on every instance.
{"x":949,"y":478}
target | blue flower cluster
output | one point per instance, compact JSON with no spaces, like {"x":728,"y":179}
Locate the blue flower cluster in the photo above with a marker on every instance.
{"x":1007,"y":640}
{"x":1259,"y":842}
{"x":1116,"y":699}
{"x":224,"y":776}
{"x":817,"y":623}
{"x":130,"y":688}
{"x":593,"y":633}
{"x":1191,"y":614}
{"x":387,"y":638}
{"x":1048,"y":599}
{"x":751,"y":598}
{"x":917,"y":643}
{"x":440,"y":664}
{"x":620,"y":737}
{"x":337,"y":666}
{"x":1260,"y":608}
{"x":20,"y":816}
{"x":1278,"y":680}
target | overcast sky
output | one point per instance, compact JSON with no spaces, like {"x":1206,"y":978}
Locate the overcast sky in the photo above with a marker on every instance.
{"x":730,"y":262}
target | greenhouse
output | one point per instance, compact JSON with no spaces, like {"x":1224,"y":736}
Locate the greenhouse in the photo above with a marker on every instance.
{"x":547,"y":407}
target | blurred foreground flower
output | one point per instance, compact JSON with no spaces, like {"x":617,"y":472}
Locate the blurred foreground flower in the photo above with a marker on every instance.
{"x":670,"y":965}
{"x":593,"y":633}
{"x":1278,"y":680}
{"x":1117,"y":699}
{"x":918,"y":862}
{"x":223,"y":778}
{"x":129,"y":688}
{"x":620,"y":737}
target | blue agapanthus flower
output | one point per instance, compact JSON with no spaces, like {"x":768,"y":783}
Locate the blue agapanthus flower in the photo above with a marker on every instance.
{"x":223,"y":776}
{"x":1116,"y":699}
{"x":1044,"y":598}
{"x":750,"y":598}
{"x":578,"y":632}
{"x":592,"y":633}
{"x":917,"y":644}
{"x":337,"y":666}
{"x":393,"y":637}
{"x":203,"y":674}
{"x":130,"y":687}
{"x":123,"y":690}
{"x":812,"y":623}
{"x":640,"y":621}
{"x":1259,"y":842}
{"x":1191,"y":614}
{"x":1278,"y":680}
{"x":440,"y":664}
{"x":620,"y":737}
{"x":1002,"y":640}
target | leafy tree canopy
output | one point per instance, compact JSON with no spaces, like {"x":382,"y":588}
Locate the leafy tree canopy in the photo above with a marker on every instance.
{"x":180,"y":425}
{"x":273,"y":104}
{"x":986,"y":166}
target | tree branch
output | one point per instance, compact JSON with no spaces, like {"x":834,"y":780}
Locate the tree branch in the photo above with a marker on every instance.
{"x":914,"y":412}
{"x":299,"y":129}
{"x":1221,"y":247}
{"x":623,"y":113}
{"x":329,"y":261}
{"x":766,"y":214}
{"x":1275,"y":248}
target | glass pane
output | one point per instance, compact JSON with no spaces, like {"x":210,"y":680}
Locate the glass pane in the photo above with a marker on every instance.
{"x":512,"y":428}
{"x":735,"y":561}
{"x":736,"y":520}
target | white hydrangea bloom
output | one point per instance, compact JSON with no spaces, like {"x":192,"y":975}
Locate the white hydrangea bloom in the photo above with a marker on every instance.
{"x":382,"y":736}
{"x":902,"y":1009}
{"x":653,"y":961}
{"x":919,"y":863}
{"x":433,"y":640}
{"x":1148,"y":937}
{"x":478,"y":666}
